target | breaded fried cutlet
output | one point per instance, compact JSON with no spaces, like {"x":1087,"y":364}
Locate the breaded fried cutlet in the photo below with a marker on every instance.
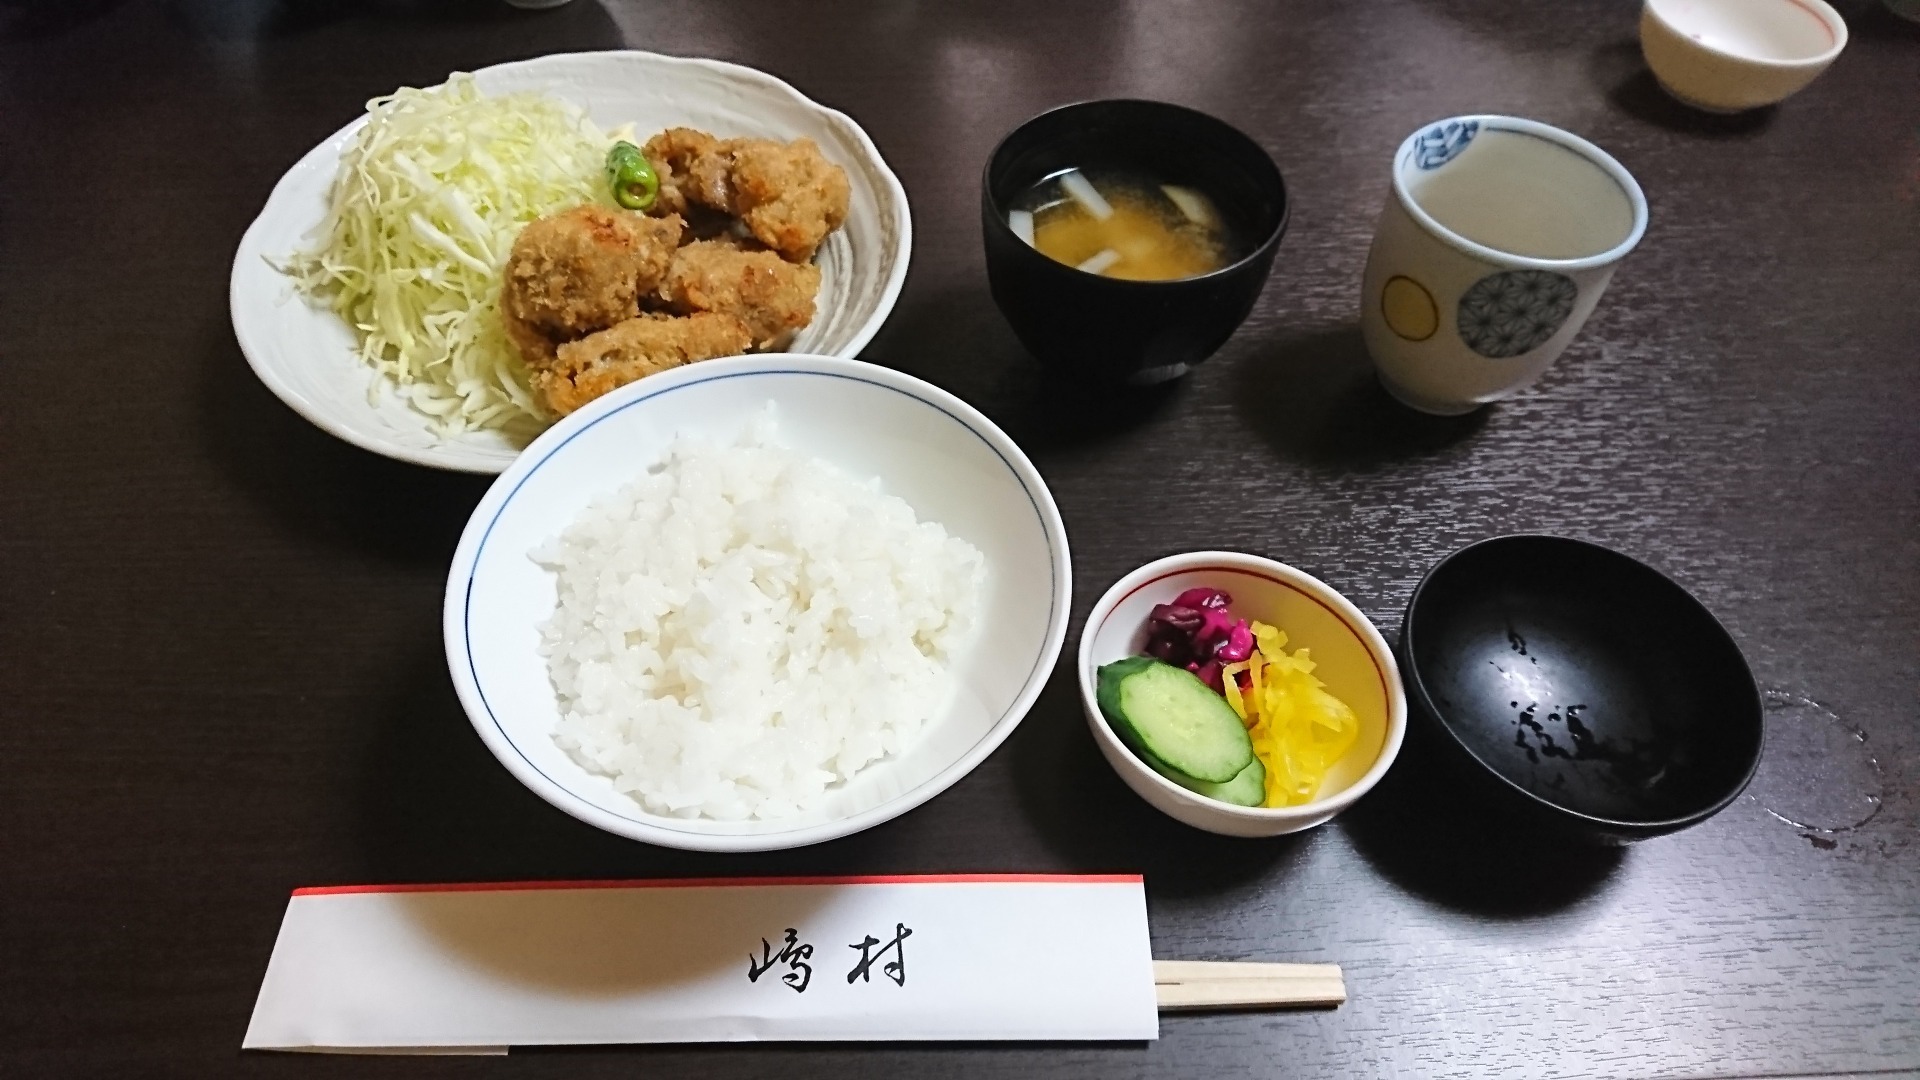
{"x":771,"y":296}
{"x":583,"y":269}
{"x":585,"y":369}
{"x":534,"y":345}
{"x":788,"y":194}
{"x":692,"y":167}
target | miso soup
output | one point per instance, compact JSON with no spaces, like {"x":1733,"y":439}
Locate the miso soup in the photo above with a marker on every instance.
{"x":1123,"y":225}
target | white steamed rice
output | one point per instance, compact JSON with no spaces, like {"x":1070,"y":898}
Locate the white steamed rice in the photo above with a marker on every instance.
{"x":743,"y":627}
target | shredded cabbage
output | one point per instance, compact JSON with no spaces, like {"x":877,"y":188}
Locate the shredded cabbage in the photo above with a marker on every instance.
{"x":424,"y":212}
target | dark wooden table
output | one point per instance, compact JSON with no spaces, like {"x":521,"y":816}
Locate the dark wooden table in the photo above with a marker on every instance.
{"x":220,"y":663}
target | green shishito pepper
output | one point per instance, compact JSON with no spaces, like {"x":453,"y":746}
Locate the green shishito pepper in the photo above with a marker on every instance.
{"x":634,"y":182}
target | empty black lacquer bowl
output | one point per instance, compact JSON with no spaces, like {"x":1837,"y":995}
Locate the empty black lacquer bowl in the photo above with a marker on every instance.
{"x":1114,"y":332}
{"x":1571,"y":687}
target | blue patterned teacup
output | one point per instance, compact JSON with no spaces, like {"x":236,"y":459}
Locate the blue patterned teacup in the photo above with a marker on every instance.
{"x":1495,"y":245}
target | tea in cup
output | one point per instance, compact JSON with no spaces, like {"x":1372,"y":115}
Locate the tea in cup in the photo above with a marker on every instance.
{"x":1497,"y":240}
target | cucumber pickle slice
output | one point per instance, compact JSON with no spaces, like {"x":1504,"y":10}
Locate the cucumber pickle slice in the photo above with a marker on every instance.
{"x":1247,"y":789}
{"x":1167,"y":715}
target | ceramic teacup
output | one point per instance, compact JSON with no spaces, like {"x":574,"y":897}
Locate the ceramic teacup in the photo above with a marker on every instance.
{"x":1497,"y":240}
{"x":1727,"y":55}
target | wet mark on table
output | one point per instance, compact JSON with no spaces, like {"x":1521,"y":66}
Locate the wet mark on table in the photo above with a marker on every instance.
{"x":1818,"y":774}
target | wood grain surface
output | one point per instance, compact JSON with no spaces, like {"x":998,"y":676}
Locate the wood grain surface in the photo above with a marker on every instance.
{"x":220,"y":663}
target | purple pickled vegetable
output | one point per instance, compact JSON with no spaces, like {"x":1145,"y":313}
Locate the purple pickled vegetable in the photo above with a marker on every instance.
{"x":1238,"y":645}
{"x":1218,"y":624}
{"x":1198,"y":633}
{"x":1203,"y":598}
{"x":1169,"y":649}
{"x":1184,"y":619}
{"x":1171,"y":633}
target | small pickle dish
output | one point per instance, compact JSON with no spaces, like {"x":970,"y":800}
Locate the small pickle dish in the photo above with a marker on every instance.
{"x":1214,"y":680}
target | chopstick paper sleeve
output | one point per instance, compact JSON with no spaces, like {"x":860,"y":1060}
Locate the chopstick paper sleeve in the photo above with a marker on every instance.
{"x":475,"y":968}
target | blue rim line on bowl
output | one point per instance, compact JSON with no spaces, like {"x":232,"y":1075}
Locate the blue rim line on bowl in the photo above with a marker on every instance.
{"x":537,"y":455}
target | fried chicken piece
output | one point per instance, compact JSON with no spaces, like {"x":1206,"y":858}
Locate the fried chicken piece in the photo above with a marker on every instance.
{"x":771,"y":296}
{"x":583,"y":269}
{"x":734,"y":237}
{"x":533,"y":344}
{"x":788,"y":194}
{"x":705,"y":224}
{"x":677,"y":155}
{"x":585,"y":369}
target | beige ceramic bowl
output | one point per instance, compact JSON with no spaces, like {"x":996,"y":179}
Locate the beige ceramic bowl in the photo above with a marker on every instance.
{"x":1354,"y":661}
{"x":1732,"y":55}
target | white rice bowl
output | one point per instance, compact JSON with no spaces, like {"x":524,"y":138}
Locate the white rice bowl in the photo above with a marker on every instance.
{"x":949,"y":463}
{"x":743,"y":626}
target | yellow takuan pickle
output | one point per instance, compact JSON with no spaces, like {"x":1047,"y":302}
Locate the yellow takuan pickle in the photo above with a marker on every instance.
{"x":1298,"y":729}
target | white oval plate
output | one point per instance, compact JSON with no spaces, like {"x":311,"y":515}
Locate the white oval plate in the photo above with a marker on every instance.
{"x":951,"y":464}
{"x":306,"y":354}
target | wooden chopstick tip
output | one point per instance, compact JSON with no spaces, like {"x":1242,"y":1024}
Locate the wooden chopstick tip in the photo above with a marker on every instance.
{"x":1193,"y":985}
